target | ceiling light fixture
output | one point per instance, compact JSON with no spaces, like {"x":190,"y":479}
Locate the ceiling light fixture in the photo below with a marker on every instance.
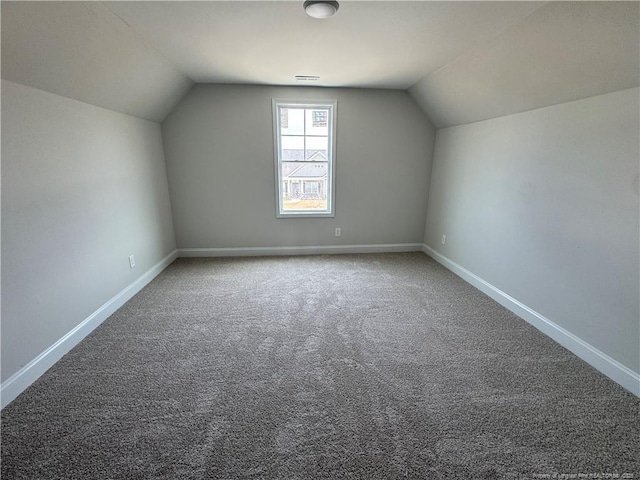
{"x":321,"y":8}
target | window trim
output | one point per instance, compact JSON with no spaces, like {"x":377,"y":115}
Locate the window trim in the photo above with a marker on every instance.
{"x":332,"y":105}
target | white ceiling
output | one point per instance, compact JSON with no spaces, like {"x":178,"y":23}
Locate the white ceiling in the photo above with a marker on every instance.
{"x":461,"y":61}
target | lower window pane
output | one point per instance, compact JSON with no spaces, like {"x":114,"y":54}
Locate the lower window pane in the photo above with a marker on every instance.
{"x":304,"y":186}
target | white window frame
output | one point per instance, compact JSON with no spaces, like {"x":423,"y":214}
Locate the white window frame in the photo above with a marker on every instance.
{"x":332,"y":106}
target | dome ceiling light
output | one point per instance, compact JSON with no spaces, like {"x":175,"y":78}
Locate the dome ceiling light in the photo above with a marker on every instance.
{"x":320,"y":8}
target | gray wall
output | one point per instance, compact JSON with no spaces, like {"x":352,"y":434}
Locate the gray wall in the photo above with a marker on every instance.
{"x":82,"y":189}
{"x":219,"y":152}
{"x":544,"y":206}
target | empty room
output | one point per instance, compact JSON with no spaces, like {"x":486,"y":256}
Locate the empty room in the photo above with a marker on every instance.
{"x":320,"y":240}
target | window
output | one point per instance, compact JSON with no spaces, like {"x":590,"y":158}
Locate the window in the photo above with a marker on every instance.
{"x":305,"y":158}
{"x":319,"y":118}
{"x":311,"y":187}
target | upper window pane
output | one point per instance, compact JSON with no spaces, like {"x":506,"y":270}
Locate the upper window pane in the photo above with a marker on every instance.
{"x":292,"y":148}
{"x":295,"y":121}
{"x":316,"y":148}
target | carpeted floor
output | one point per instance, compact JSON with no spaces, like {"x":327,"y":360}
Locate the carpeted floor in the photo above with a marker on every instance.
{"x":381,"y":366}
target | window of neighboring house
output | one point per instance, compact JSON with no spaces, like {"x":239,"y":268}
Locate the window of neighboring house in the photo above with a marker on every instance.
{"x":319,"y":118}
{"x":305,"y":157}
{"x":311,"y":187}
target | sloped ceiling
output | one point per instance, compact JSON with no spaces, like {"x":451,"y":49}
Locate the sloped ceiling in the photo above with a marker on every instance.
{"x":461,"y":61}
{"x":81,"y":50}
{"x":562,"y":52}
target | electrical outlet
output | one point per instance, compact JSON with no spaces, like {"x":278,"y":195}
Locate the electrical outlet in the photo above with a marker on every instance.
{"x":444,"y":239}
{"x":132,"y":261}
{"x":338,"y":231}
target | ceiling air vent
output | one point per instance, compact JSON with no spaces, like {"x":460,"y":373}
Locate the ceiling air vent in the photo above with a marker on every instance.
{"x":307,"y":78}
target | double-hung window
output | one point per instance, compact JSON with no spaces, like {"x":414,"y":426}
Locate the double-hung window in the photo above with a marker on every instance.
{"x":305,"y":157}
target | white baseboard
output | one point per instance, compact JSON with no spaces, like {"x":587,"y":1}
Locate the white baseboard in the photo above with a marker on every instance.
{"x":19,"y":381}
{"x":312,"y":250}
{"x":594,"y":357}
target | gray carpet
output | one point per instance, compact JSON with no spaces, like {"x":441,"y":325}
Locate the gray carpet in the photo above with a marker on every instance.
{"x":323,"y":367}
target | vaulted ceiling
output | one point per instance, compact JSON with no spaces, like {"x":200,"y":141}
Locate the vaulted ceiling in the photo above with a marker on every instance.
{"x":461,"y":61}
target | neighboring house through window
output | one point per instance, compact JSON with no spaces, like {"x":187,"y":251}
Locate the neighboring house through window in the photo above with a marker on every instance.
{"x":305,"y":157}
{"x":319,"y":118}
